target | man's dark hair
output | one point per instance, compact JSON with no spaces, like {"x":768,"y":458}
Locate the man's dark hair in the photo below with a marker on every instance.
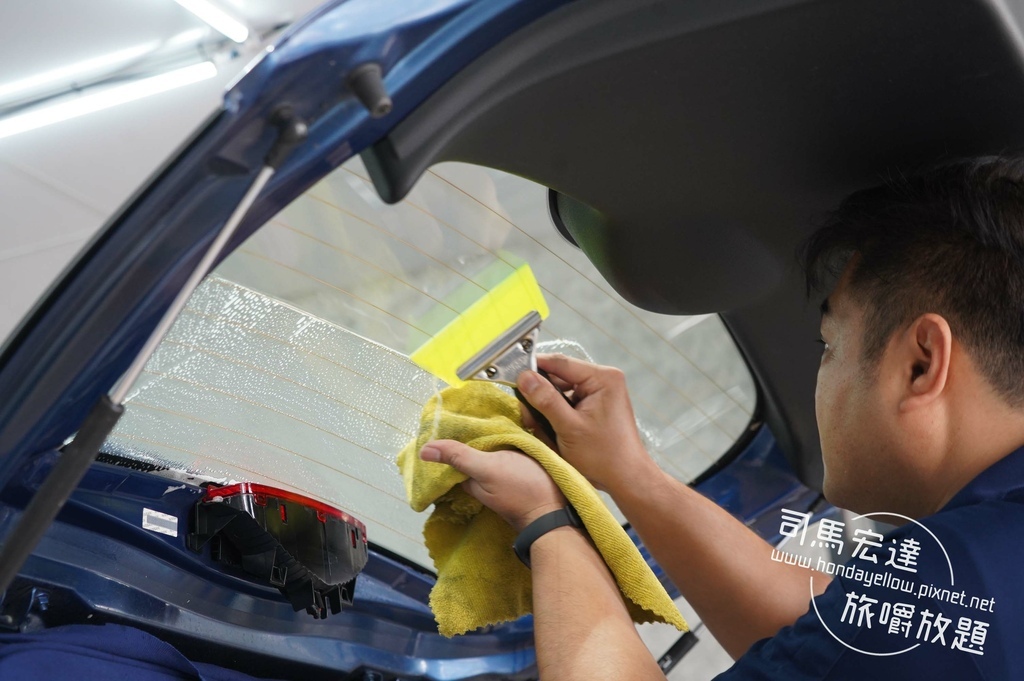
{"x":950,"y":241}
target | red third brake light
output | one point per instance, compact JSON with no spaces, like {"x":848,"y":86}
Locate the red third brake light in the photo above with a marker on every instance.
{"x":310,"y":551}
{"x":261,"y":492}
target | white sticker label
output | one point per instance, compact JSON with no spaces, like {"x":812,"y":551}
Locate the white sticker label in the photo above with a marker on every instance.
{"x":155,"y":521}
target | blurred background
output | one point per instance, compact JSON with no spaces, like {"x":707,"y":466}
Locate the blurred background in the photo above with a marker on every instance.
{"x":114,"y":86}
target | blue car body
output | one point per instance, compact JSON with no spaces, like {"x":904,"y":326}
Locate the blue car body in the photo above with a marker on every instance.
{"x":95,"y":563}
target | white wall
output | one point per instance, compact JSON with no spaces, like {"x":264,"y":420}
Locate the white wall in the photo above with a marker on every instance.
{"x":60,"y":184}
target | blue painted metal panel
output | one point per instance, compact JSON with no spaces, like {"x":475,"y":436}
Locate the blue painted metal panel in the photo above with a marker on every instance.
{"x":98,"y":556}
{"x":757,"y":484}
{"x":80,"y":339}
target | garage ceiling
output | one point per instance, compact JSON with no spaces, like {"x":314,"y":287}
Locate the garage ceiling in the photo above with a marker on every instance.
{"x":59,"y":184}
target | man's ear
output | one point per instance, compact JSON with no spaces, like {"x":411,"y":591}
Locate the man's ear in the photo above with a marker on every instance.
{"x":925,"y":353}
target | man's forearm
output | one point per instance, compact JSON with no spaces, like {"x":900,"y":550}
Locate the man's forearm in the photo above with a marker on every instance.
{"x":721,"y":567}
{"x":582,"y":628}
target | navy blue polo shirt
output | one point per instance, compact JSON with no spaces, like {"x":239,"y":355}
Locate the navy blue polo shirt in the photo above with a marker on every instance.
{"x":972,"y":628}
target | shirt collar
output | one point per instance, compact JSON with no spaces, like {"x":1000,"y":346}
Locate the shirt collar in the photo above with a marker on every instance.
{"x":1002,"y":480}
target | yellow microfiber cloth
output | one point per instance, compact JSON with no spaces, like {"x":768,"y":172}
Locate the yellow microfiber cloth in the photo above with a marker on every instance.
{"x":480,"y":580}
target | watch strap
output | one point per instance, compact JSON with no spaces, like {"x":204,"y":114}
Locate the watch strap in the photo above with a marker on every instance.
{"x":541,"y":526}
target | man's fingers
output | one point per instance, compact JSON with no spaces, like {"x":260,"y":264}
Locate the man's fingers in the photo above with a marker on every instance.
{"x":546,"y":398}
{"x":530,"y":424}
{"x":569,"y":369}
{"x":585,"y":377}
{"x":459,"y":456}
{"x":560,"y":383}
{"x":473,"y":489}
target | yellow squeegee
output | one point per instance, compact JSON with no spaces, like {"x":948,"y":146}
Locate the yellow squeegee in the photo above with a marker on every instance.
{"x":493,"y":340}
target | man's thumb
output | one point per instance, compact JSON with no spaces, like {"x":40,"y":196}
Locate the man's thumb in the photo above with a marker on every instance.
{"x":459,"y":456}
{"x":547,"y":399}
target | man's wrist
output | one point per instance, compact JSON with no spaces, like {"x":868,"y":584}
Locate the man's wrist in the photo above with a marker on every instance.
{"x":637,"y":479}
{"x":557,"y":535}
{"x":520,"y":523}
{"x":563,"y":538}
{"x":545,"y":524}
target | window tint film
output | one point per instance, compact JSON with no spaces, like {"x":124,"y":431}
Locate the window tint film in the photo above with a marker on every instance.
{"x":290,"y":364}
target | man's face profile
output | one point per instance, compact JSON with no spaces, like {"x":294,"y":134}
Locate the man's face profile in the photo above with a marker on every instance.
{"x":894,"y":427}
{"x":863,"y":461}
{"x":839,"y":397}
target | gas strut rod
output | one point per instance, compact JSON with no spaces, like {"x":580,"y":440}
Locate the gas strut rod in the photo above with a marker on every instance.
{"x":76,"y":458}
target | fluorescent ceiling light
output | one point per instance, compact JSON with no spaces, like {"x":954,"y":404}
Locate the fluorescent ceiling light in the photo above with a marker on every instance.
{"x":67,"y":74}
{"x":217,"y":18}
{"x":191,"y":38}
{"x":105,"y":99}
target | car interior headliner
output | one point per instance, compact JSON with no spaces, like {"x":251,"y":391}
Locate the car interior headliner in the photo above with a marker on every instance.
{"x":693,"y":144}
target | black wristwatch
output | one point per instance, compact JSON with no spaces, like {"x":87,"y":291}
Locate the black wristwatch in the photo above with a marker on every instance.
{"x":543,"y":525}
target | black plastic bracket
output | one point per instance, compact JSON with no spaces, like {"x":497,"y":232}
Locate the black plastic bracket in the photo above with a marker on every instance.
{"x":239,"y":540}
{"x":292,"y":131}
{"x":367,"y":83}
{"x":677,"y":651}
{"x":22,"y":608}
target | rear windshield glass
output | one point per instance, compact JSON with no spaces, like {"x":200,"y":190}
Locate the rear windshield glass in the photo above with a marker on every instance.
{"x":290,"y":364}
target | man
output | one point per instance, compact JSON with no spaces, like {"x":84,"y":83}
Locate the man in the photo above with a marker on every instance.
{"x":920,"y":408}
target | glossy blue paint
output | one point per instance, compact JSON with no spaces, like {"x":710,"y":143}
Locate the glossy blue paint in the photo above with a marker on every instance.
{"x":758,"y":484}
{"x":86,"y":331}
{"x":97,"y":560}
{"x":98,"y":557}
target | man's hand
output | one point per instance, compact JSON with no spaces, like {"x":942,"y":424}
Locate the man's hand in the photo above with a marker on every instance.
{"x":582,"y":626}
{"x":722,"y":568}
{"x":598,"y":436}
{"x":509,"y":483}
